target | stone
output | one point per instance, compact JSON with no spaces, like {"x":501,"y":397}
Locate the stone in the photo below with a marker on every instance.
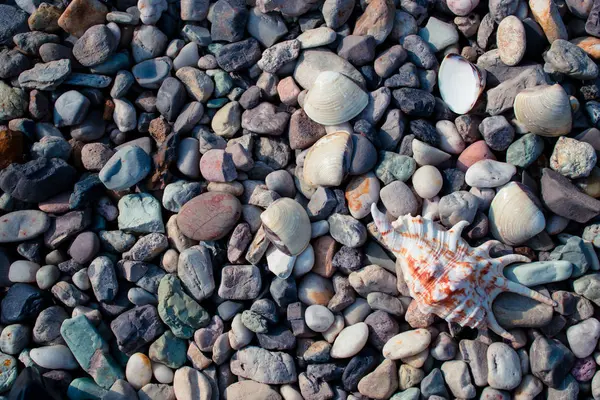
{"x":377,"y":20}
{"x":562,"y":198}
{"x":504,"y":368}
{"x":347,"y":230}
{"x":565,"y":57}
{"x":238,"y":56}
{"x":95,"y":46}
{"x":90,"y":351}
{"x":501,"y":98}
{"x":250,"y":390}
{"x":267,"y":28}
{"x":525,"y":150}
{"x":140,"y":213}
{"x":198,"y":217}
{"x":588,"y":329}
{"x":439,"y":34}
{"x":13,"y":21}
{"x":15,"y":101}
{"x":279,"y":54}
{"x":138,"y":370}
{"x":550,"y":361}
{"x":81,"y":15}
{"x":198,"y":85}
{"x":263,"y":366}
{"x":178,"y":310}
{"x":572,"y":158}
{"x":23,"y":225}
{"x":136,"y":328}
{"x":189,"y":384}
{"x":46,"y":76}
{"x":168,"y":350}
{"x":539,"y":273}
{"x":240,"y":282}
{"x":350,"y":341}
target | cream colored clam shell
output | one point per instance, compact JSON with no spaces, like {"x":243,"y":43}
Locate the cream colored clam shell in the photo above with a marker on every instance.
{"x":544,"y":110}
{"x":287,"y":226}
{"x":334,"y":99}
{"x":514,"y":216}
{"x":328,"y":160}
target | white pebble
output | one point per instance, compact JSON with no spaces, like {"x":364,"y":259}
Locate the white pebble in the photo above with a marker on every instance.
{"x":54,"y":357}
{"x":318,"y":318}
{"x":350,"y":341}
{"x":138,"y":370}
{"x":304,"y":261}
{"x":489,"y":174}
{"x":407,"y":344}
{"x":427,"y":181}
{"x":162,"y":373}
{"x":190,"y":384}
{"x":23,"y":271}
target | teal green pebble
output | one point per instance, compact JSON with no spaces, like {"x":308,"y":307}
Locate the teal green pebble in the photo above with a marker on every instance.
{"x":85,"y":389}
{"x":91,"y":351}
{"x":140,"y":213}
{"x":408,"y":394}
{"x":392,"y":167}
{"x":578,"y":252}
{"x":178,"y":310}
{"x":8,"y":371}
{"x":524,"y":151}
{"x":217,"y":103}
{"x":223,"y":83}
{"x":539,"y":273}
{"x":169,"y":350}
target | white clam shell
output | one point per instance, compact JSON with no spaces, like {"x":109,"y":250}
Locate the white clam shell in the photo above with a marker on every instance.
{"x":460,"y":82}
{"x":328,"y":160}
{"x":287,"y":226}
{"x":544,"y":110}
{"x":334,"y":99}
{"x":514,"y":215}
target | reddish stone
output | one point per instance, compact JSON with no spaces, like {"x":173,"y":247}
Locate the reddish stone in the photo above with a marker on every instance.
{"x":81,"y":15}
{"x":11,"y":147}
{"x":476,"y":152}
{"x":210,"y":216}
{"x":303,"y":131}
{"x":288,"y":91}
{"x":325,"y":248}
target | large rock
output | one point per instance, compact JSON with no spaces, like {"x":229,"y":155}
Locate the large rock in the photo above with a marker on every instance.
{"x":564,"y":199}
{"x":136,"y":328}
{"x":260,"y":365}
{"x":12,"y":21}
{"x":209,"y":216}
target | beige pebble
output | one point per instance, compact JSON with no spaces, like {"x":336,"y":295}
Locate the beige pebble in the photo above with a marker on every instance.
{"x":511,"y":40}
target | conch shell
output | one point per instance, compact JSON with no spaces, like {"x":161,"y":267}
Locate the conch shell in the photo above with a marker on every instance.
{"x":515,"y":215}
{"x":446,"y":276}
{"x":328,"y":160}
{"x":544,"y":110}
{"x":334,"y":99}
{"x":287,"y":226}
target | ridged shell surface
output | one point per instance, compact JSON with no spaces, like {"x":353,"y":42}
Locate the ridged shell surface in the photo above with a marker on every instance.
{"x":334,"y":99}
{"x":514,"y":215}
{"x":328,"y":160}
{"x":544,"y":110}
{"x":287,"y":226}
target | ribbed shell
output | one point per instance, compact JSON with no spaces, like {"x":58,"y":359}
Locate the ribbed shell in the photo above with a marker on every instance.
{"x":544,"y":110}
{"x":445,"y":275}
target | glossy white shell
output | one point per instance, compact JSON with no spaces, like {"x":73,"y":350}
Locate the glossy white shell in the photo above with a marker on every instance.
{"x":287,"y":226}
{"x":328,"y":160}
{"x":460,"y":83}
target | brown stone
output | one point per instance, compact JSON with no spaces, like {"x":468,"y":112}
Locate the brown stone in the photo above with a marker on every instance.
{"x":325,"y":248}
{"x":303,"y":131}
{"x":159,"y":129}
{"x":11,"y":147}
{"x":417,"y":319}
{"x":210,"y":216}
{"x":45,"y":18}
{"x":109,"y":109}
{"x":377,"y":20}
{"x":590,"y":44}
{"x":162,"y":160}
{"x":81,"y":15}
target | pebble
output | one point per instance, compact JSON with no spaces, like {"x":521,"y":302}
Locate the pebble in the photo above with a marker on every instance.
{"x":350,"y":341}
{"x":511,"y":40}
{"x":318,"y":318}
{"x":589,"y":329}
{"x":407,"y":344}
{"x":504,"y":368}
{"x":489,"y":174}
{"x":216,"y":213}
{"x":572,"y":158}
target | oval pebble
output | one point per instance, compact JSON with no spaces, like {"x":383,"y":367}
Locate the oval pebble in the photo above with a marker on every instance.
{"x":489,"y":174}
{"x":318,"y":318}
{"x":407,"y":344}
{"x":138,"y":370}
{"x":54,"y":357}
{"x":209,"y":216}
{"x":350,"y":341}
{"x":511,"y":40}
{"x":23,"y":225}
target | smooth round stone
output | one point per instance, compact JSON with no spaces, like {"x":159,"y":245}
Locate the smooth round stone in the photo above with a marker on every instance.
{"x":84,"y":247}
{"x":188,"y":157}
{"x":304,"y":261}
{"x":23,"y":271}
{"x":54,"y":357}
{"x":178,"y":193}
{"x":216,"y":165}
{"x":347,"y":230}
{"x":427,"y":181}
{"x":126,"y":168}
{"x":362,"y":191}
{"x":511,"y":40}
{"x":583,"y":336}
{"x":399,"y":199}
{"x":47,"y":276}
{"x":150,"y":74}
{"x":95,"y":46}
{"x":162,"y":373}
{"x":318,"y":318}
{"x":81,"y":279}
{"x":539,"y":273}
{"x":407,"y":344}
{"x":314,"y":289}
{"x":14,"y":338}
{"x":364,"y":155}
{"x":191,"y":384}
{"x":188,"y":56}
{"x":525,"y":150}
{"x":475,"y":152}
{"x":23,"y":225}
{"x":316,"y":37}
{"x":138,"y":370}
{"x":450,"y":140}
{"x":504,"y":367}
{"x":210,"y":216}
{"x":350,"y":341}
{"x":489,"y":174}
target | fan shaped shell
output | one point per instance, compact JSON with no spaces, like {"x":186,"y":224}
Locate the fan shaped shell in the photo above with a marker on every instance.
{"x":287,"y":226}
{"x":544,"y":110}
{"x":460,"y":83}
{"x":328,"y":160}
{"x":334,"y":99}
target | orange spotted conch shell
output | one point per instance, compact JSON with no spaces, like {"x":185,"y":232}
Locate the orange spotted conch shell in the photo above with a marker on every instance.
{"x":445,"y":275}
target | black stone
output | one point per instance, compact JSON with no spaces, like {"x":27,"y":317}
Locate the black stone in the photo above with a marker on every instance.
{"x":348,"y":260}
{"x":326,"y":372}
{"x":454,"y":180}
{"x":171,"y":98}
{"x":592,"y":25}
{"x":359,"y":366}
{"x":406,"y":77}
{"x":424,"y":131}
{"x":31,"y":250}
{"x":278,"y":338}
{"x":86,"y":190}
{"x":22,"y":303}
{"x":284,"y":291}
{"x":136,"y":328}
{"x":240,"y":55}
{"x":433,"y":385}
{"x":12,"y":21}
{"x":414,"y":102}
{"x":228,"y":21}
{"x":419,"y":52}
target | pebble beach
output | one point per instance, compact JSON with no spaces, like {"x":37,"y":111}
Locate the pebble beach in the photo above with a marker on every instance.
{"x":299,"y":199}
